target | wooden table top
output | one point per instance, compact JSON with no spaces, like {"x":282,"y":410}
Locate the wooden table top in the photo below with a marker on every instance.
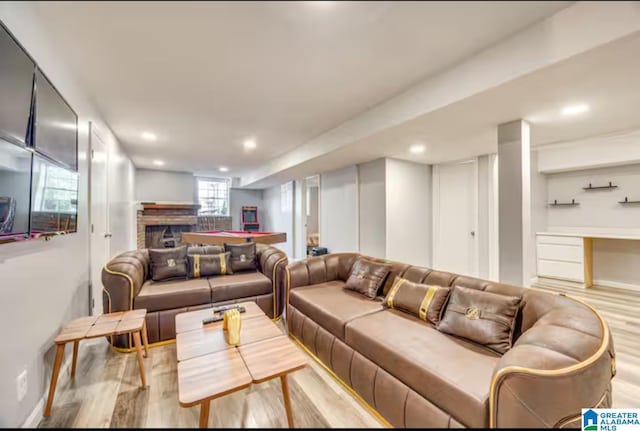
{"x":193,"y":319}
{"x":211,"y":338}
{"x":209,"y":368}
{"x":271,"y":358}
{"x":211,"y":376}
{"x":103,"y":325}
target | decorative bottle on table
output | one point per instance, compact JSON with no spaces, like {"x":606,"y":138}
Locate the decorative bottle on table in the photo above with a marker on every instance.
{"x":231,"y":326}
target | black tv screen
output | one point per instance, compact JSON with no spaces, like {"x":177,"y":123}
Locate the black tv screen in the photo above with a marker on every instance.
{"x":16,"y":88}
{"x":56,"y":125}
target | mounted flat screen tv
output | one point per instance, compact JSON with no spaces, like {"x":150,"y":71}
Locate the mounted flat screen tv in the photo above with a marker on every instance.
{"x":38,"y":150}
{"x":15,"y":187}
{"x":16,"y":89}
{"x":56,"y":125}
{"x":54,"y":198}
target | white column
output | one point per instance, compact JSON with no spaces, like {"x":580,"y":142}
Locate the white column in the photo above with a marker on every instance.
{"x":514,"y":194}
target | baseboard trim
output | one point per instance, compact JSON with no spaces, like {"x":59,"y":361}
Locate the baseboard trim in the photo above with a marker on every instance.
{"x":616,"y":285}
{"x":36,"y":415}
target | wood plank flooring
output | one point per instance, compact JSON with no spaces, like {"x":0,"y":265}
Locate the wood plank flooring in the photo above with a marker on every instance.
{"x":621,"y":310}
{"x":106,"y":391}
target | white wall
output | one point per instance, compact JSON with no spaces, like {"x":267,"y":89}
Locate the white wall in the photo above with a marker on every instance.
{"x":373,"y":209}
{"x":538,"y":199}
{"x":164,"y":186}
{"x":244,"y":197}
{"x":599,"y":211}
{"x":44,"y":284}
{"x":484,"y":216}
{"x":338,"y":210}
{"x":599,"y":208}
{"x":278,"y":213}
{"x":409,"y":212}
{"x":122,"y":206}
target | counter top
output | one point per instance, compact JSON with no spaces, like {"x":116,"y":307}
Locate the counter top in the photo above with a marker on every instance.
{"x":630,"y":236}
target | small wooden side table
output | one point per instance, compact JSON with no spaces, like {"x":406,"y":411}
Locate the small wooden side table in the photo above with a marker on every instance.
{"x":124,"y":322}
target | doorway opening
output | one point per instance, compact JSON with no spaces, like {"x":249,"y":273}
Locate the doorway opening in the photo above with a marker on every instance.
{"x":311,"y":215}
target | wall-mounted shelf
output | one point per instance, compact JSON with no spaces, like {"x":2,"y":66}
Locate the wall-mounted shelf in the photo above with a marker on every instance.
{"x":555,"y":203}
{"x":627,"y":201}
{"x":610,"y":186}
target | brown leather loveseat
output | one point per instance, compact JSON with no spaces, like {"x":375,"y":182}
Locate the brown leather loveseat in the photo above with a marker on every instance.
{"x":413,"y":375}
{"x":127,"y":285}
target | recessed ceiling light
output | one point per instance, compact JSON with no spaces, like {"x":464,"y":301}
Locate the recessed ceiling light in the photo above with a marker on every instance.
{"x":148,"y":136}
{"x":249,"y":144}
{"x":158,"y":162}
{"x":223,"y":169}
{"x":417,"y":149}
{"x":575,"y":109}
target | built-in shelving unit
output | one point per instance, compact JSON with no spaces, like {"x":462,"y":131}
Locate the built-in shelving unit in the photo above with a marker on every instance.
{"x":555,"y":203}
{"x":607,"y":187}
{"x":627,"y":201}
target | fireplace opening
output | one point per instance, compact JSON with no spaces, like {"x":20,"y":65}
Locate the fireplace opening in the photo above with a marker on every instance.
{"x":165,"y":236}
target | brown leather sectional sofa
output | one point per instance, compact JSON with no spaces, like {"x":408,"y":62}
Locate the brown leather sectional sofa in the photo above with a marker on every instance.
{"x":127,"y":285}
{"x":413,"y":375}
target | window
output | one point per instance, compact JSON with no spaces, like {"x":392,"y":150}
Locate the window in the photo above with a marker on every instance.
{"x":213,"y":196}
{"x":56,"y":190}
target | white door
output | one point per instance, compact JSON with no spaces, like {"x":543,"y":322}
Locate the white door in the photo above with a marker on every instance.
{"x":99,"y":216}
{"x":455,"y":218}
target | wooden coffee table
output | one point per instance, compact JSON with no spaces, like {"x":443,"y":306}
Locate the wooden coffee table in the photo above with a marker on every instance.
{"x":105,"y":325}
{"x":209,"y":368}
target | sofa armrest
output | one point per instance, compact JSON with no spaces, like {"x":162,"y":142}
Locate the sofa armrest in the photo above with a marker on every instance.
{"x":272,"y":264}
{"x":122,"y":279}
{"x":564,"y":363}
{"x":320,"y":269}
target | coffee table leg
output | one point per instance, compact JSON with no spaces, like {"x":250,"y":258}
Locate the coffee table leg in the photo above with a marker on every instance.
{"x":54,"y":378}
{"x":136,"y":342}
{"x":145,"y":338}
{"x":204,"y":414}
{"x":75,"y":358}
{"x":287,"y":401}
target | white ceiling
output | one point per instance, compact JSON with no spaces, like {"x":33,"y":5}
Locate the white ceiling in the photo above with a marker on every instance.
{"x":605,"y":78}
{"x":204,"y":76}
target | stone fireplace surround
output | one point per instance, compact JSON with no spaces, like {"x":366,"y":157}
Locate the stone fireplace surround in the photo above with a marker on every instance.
{"x":184,"y":217}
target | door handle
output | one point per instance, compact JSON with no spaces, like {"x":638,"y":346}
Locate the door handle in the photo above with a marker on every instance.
{"x":473,"y":233}
{"x":108,"y":235}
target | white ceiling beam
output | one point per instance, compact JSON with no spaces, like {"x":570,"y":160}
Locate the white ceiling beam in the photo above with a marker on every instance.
{"x":572,"y":31}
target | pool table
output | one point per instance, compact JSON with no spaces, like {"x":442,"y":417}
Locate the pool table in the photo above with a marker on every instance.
{"x":233,"y":237}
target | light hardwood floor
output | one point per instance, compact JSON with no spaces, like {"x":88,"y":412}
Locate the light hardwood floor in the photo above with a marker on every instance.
{"x":621,"y":310}
{"x":106,"y":391}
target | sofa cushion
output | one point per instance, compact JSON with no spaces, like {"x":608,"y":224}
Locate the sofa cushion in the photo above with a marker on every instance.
{"x":422,"y":300}
{"x":484,"y":317}
{"x":203,"y":265}
{"x":225,"y":287}
{"x":165,"y":295}
{"x":205,"y":249}
{"x":367,"y":277}
{"x":331,"y":306}
{"x":243,"y":256}
{"x":168,"y":263}
{"x":453,"y":374}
